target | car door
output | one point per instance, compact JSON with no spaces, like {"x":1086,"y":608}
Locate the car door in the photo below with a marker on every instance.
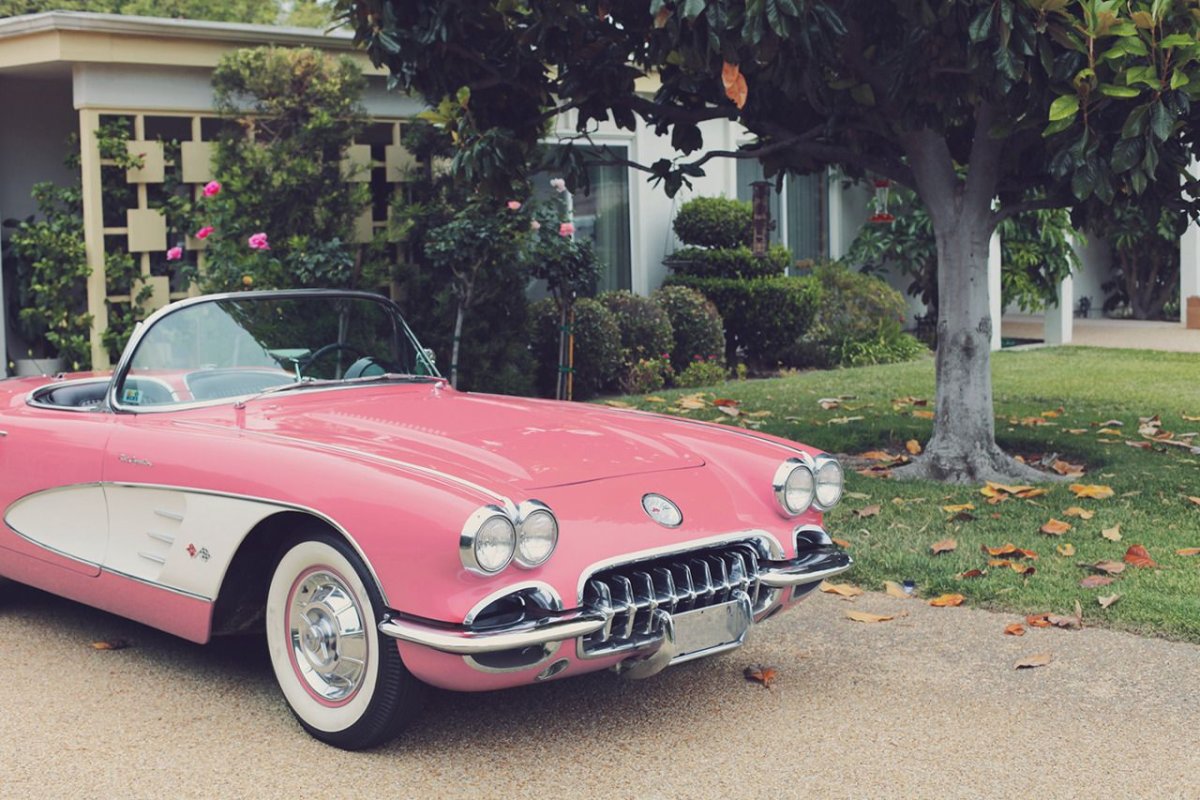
{"x":51,"y":495}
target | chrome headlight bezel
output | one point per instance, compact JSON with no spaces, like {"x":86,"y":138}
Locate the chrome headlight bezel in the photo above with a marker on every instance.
{"x":468,"y":541}
{"x":526,"y":511}
{"x":821,"y":464}
{"x":783,"y":476}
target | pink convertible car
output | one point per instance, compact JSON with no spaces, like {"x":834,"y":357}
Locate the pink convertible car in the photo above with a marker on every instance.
{"x":293,"y":461}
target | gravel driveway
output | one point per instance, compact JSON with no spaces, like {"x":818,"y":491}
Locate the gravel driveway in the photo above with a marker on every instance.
{"x":924,"y":706}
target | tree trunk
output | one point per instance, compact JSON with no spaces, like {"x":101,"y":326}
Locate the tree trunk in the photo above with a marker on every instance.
{"x":963,"y":448}
{"x":458,"y":326}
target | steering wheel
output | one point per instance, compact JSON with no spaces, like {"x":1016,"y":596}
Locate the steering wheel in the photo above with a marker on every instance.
{"x":333,"y":347}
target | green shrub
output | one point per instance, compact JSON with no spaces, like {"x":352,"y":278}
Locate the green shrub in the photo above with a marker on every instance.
{"x":699,"y":330}
{"x":858,"y":321}
{"x":715,"y":222}
{"x":647,"y":375}
{"x":645,"y":327}
{"x":701,"y":372}
{"x":764,"y":317}
{"x":732,"y":262}
{"x":597,"y":347}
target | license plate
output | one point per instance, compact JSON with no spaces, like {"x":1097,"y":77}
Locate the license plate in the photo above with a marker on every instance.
{"x":711,"y":629}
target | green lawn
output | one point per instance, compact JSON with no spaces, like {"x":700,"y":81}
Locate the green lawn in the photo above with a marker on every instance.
{"x":1090,"y":386}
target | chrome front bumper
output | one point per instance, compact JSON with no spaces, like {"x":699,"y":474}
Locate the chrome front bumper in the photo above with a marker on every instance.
{"x":556,"y":626}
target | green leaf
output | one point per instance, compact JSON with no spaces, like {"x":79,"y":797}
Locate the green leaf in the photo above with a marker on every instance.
{"x":1161,"y":122}
{"x":1144,"y":74}
{"x":1065,"y":107}
{"x":1179,"y":79}
{"x":981,"y":26}
{"x":1083,"y":182}
{"x":863,"y":95}
{"x":1135,"y":123}
{"x":1112,"y":90}
{"x":1177,"y":40}
{"x":1058,"y":126}
{"x":1126,"y":154}
{"x":693,"y":9}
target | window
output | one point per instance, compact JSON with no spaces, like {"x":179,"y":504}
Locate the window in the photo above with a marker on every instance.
{"x":601,"y":216}
{"x":800,"y":211}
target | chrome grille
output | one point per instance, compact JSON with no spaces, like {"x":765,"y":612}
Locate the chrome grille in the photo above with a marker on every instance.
{"x":630,"y":594}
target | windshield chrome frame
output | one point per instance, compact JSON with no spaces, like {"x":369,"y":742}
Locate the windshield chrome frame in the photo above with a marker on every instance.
{"x":144,"y":327}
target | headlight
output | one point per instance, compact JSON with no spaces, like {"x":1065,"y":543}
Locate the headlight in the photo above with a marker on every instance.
{"x":488,"y":541}
{"x":794,"y":486}
{"x":828,"y":483}
{"x":537,"y":534}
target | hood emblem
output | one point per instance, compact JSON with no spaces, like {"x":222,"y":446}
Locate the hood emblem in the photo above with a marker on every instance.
{"x":662,"y":510}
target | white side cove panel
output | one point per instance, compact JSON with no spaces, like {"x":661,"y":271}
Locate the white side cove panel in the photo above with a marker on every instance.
{"x":69,"y":521}
{"x":177,"y":539}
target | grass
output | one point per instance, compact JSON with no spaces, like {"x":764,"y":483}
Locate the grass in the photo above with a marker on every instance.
{"x":1090,"y":386}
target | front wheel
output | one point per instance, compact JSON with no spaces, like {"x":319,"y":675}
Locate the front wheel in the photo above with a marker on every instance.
{"x":345,"y":685}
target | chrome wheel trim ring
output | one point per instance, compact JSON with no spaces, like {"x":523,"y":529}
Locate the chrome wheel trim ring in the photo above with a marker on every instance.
{"x":326,"y":636}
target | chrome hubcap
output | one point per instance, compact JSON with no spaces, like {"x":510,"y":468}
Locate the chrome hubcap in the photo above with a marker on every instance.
{"x":329,"y":639}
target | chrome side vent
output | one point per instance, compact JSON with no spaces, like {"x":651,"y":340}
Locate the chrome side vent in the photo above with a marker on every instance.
{"x":629,"y":595}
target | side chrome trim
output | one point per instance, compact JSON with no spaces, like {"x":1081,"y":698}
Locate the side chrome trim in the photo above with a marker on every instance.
{"x":556,"y":603}
{"x":773,"y":546}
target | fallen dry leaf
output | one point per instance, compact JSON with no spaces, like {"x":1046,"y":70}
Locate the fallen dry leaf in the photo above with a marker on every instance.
{"x":1139,"y":557}
{"x":617,"y":404}
{"x":1029,"y":662}
{"x":1055,"y":527}
{"x":1016,"y":629}
{"x":829,"y":403}
{"x":726,"y":401}
{"x":1105,"y":602}
{"x":1189,"y":418}
{"x":944,"y":546}
{"x":1021,"y":569}
{"x":654,"y":399}
{"x":1194,"y":500}
{"x":1067,"y":468}
{"x":1095,"y":581}
{"x":1066,"y":549}
{"x":1140,"y":445}
{"x":760,"y":674}
{"x":731,"y":411}
{"x":842,"y":543}
{"x":867,"y":511}
{"x":1082,"y":513}
{"x":1188,"y":551}
{"x":957,"y":508}
{"x":920,"y":414}
{"x":878,"y":455}
{"x":896,"y":590}
{"x":1113,"y":534}
{"x":913,"y":447}
{"x":110,"y":644}
{"x":1092,"y":490}
{"x":973,"y":573}
{"x":1008,"y":549}
{"x":1038,"y":620}
{"x":692,"y":403}
{"x":844,"y":420}
{"x":864,"y":616}
{"x":947,"y":600}
{"x":840,"y":589}
{"x":1110,"y":567}
{"x":1029,"y":494}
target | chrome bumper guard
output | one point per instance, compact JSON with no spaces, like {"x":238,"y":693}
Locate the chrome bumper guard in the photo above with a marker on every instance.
{"x":812,"y":566}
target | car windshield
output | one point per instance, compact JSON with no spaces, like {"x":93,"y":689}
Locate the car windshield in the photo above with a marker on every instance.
{"x":234,"y":346}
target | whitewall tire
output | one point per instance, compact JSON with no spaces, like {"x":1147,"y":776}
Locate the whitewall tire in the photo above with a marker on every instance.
{"x":344,"y":682}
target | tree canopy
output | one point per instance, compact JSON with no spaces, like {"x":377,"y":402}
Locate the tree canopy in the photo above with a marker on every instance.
{"x":986,"y":108}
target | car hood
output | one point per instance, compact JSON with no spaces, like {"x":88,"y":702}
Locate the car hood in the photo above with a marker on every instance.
{"x":488,"y":439}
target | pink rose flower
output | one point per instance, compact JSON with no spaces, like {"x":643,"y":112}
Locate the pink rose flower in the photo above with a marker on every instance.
{"x":558,"y":184}
{"x":205,"y":232}
{"x":514,"y":205}
{"x":175,"y":253}
{"x":566,"y":229}
{"x":534,"y":225}
{"x":211,"y":188}
{"x":258,"y":242}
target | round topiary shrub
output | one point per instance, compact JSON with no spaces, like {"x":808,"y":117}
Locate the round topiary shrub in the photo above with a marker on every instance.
{"x":730,"y":262}
{"x":645,"y":327}
{"x":597,"y":347}
{"x":699,"y":330}
{"x":715,"y":222}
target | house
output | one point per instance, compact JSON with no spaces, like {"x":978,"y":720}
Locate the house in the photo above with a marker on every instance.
{"x":69,"y":72}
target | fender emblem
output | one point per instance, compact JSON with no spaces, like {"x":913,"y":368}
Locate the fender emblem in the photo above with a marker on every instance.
{"x":141,"y":462}
{"x":202,"y":552}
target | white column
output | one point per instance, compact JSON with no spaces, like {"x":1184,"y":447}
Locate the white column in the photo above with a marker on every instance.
{"x":1060,"y":319}
{"x":3,"y":324}
{"x":836,"y":222}
{"x":997,"y":308}
{"x":1189,"y":268}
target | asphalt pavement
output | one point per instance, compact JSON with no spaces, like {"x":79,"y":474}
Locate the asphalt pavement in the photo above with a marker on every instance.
{"x":925,"y":706}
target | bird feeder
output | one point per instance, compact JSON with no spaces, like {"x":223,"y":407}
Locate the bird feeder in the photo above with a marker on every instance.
{"x":881,"y":215}
{"x":762,"y":222}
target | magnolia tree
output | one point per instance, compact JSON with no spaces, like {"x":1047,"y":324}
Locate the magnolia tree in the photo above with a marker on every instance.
{"x":986,"y":108}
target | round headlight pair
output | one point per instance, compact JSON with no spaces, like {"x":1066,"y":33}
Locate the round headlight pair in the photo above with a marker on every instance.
{"x":801,"y":483}
{"x":490,"y":540}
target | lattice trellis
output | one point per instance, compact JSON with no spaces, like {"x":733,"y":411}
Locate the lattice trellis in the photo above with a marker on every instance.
{"x":377,"y":158}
